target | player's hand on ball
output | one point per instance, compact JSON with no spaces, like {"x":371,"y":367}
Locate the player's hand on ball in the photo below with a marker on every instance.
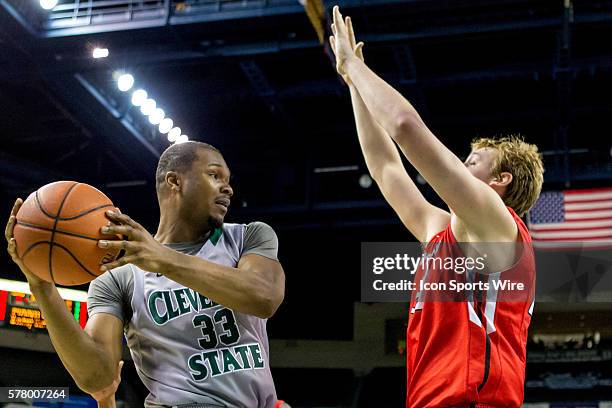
{"x":140,"y":248}
{"x":343,"y":42}
{"x":12,"y":246}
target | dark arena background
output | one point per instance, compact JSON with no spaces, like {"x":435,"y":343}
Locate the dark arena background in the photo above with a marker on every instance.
{"x":256,"y":79}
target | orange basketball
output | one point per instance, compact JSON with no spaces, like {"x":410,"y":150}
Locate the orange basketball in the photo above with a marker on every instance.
{"x":57,"y":232}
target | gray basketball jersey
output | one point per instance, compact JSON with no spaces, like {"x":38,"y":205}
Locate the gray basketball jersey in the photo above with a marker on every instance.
{"x":190,"y":350}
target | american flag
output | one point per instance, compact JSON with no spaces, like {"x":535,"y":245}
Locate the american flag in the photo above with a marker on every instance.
{"x":572,"y":219}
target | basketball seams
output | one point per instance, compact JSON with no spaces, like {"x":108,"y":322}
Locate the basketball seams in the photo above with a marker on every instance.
{"x":51,"y":243}
{"x":74,"y":257}
{"x":77,"y":209}
{"x":72,"y":234}
{"x":45,"y":212}
{"x":85,"y":212}
{"x":59,"y":212}
{"x":32,"y":247}
{"x":40,"y":207}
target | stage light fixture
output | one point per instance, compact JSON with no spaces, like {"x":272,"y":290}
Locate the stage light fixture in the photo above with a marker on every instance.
{"x":139,"y":96}
{"x":100,"y":53}
{"x":165,"y":125}
{"x":148,"y":107}
{"x":174,"y":134}
{"x":182,"y":139}
{"x":125,"y":82}
{"x":156,"y":116}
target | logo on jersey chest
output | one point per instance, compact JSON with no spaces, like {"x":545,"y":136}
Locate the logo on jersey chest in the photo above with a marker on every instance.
{"x":166,"y":305}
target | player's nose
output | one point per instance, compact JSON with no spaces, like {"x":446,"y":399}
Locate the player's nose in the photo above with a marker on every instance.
{"x":227,"y":189}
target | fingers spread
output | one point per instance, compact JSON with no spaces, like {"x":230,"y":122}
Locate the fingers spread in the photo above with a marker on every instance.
{"x":16,"y":206}
{"x":119,"y":245}
{"x":122,"y":218}
{"x":332,"y":43}
{"x":119,"y":262}
{"x":8,"y":230}
{"x":351,"y":34}
{"x":359,"y":51}
{"x":12,"y":247}
{"x":117,"y":229}
{"x":338,"y":18}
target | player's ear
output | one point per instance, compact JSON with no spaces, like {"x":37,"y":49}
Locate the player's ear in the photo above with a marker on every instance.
{"x":173,"y":181}
{"x":503,"y":179}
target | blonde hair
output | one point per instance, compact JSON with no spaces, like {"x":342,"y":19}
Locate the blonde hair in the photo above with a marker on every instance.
{"x":524,"y":162}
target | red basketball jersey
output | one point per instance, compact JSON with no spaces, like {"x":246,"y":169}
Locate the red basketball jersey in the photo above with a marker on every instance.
{"x":470,"y":353}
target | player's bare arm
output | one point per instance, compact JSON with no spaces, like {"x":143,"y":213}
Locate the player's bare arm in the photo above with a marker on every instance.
{"x":91,"y":356}
{"x":481,"y":213}
{"x":106,"y":330}
{"x":385,"y":166}
{"x":256,"y":286}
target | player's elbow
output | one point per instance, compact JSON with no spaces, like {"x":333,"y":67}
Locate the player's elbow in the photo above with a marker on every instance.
{"x":376,"y":173}
{"x":267,"y":306}
{"x":405,"y":123}
{"x":95,"y":381}
{"x":377,"y":170}
{"x":267,"y":302}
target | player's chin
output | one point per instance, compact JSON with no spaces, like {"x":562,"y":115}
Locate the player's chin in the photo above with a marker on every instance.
{"x":216,"y":220}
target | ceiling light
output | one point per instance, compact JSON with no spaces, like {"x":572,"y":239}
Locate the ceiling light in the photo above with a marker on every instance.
{"x":148,"y":107}
{"x":174,"y":134}
{"x":165,"y":125}
{"x":182,"y":139}
{"x":100,"y":53}
{"x":125,"y":82}
{"x":365,"y":181}
{"x":156,"y":116}
{"x":48,"y":4}
{"x":139,"y":97}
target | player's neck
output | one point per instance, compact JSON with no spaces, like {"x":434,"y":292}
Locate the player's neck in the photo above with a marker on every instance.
{"x":175,"y":229}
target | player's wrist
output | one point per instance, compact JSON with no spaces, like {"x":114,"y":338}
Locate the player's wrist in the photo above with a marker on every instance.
{"x":38,"y":286}
{"x":350,"y":65}
{"x":168,"y":261}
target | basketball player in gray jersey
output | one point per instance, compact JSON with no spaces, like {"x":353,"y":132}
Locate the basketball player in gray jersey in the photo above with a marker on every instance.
{"x":192,"y":300}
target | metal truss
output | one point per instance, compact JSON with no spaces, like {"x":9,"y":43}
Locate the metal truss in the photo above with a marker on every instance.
{"x":80,"y":17}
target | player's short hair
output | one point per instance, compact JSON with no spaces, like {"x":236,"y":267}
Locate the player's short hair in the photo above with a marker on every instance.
{"x":524,"y":162}
{"x":179,"y":157}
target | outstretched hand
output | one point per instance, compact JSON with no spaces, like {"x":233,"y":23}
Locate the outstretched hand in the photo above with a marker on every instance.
{"x":141,"y":249}
{"x":343,"y":43}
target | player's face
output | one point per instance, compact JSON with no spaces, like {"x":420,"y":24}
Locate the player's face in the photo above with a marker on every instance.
{"x":209,"y":191}
{"x":480,"y":162}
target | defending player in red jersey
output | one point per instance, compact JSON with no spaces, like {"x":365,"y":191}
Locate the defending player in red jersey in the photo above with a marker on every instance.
{"x":469,"y":352}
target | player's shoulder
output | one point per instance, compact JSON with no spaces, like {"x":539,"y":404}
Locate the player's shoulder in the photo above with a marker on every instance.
{"x":118,"y":277}
{"x":254,"y":227}
{"x":258,"y":225}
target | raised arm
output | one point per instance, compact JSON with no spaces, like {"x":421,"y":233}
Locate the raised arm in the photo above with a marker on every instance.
{"x":385,"y":165}
{"x":476,"y":204}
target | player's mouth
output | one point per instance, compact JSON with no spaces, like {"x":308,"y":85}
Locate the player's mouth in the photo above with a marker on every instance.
{"x":223,"y":203}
